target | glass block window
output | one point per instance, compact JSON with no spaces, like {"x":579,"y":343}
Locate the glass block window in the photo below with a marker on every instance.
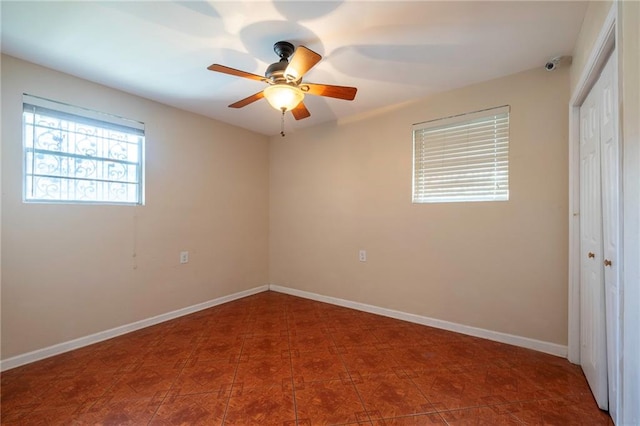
{"x":77,"y":155}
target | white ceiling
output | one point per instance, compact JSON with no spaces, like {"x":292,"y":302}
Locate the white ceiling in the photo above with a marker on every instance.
{"x":391,"y":51}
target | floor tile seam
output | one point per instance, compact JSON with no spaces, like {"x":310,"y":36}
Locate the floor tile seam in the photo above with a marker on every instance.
{"x":331,"y":337}
{"x":195,"y":393}
{"x":510,"y":413}
{"x":414,"y":415}
{"x":191,"y":353}
{"x":516,"y":418}
{"x":549,"y":398}
{"x":175,"y":379}
{"x":77,"y":406}
{"x":50,"y":381}
{"x":446,"y":422}
{"x":109,"y":388}
{"x":27,"y":408}
{"x":83,"y":410}
{"x":233,"y":380}
{"x":183,"y":364}
{"x":469,"y":407}
{"x":344,"y":365}
{"x":353,"y":383}
{"x":424,"y":395}
{"x":39,"y":396}
{"x":293,"y":384}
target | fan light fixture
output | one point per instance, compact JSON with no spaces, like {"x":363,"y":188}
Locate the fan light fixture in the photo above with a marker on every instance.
{"x":286,"y":91}
{"x":283,"y":97}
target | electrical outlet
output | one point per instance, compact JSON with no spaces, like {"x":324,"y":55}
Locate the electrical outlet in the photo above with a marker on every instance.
{"x":362,"y":255}
{"x":184,"y":257}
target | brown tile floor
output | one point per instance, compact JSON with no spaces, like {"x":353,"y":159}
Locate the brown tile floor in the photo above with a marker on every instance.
{"x":273,"y":359}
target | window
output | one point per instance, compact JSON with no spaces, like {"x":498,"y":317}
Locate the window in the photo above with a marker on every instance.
{"x":77,"y":155}
{"x":462,"y":158}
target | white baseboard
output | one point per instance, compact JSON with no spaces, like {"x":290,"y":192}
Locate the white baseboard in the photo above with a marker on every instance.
{"x":525,"y":342}
{"x":59,"y":348}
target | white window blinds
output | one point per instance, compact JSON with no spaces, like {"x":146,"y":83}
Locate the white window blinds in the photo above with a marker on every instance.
{"x":462,"y":158}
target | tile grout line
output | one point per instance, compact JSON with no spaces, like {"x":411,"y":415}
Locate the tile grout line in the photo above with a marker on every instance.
{"x":293,"y":383}
{"x":410,"y":379}
{"x":344,"y":364}
{"x":437,"y":412}
{"x":176,"y":378}
{"x":475,"y":406}
{"x":235,"y":372}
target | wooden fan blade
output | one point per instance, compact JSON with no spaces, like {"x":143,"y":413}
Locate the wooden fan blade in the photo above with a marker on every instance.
{"x":302,"y":61}
{"x":300,"y":112}
{"x":248,"y":100}
{"x":339,"y":92}
{"x":233,"y":71}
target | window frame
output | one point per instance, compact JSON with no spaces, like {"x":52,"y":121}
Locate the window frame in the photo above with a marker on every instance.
{"x":450,"y":123}
{"x":91,"y":118}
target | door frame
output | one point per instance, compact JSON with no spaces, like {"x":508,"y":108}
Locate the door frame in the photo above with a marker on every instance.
{"x":603,"y":49}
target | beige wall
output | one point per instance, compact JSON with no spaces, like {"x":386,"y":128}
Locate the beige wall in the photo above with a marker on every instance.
{"x":500,"y":266}
{"x":69,"y":270}
{"x":594,"y":17}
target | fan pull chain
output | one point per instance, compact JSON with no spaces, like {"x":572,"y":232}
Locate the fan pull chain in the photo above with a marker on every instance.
{"x":282,"y":123}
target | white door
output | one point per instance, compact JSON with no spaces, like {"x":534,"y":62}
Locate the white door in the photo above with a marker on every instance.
{"x":593,"y":353}
{"x":610,"y":167}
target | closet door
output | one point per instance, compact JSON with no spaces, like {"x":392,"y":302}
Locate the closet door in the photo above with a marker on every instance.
{"x":593,"y":354}
{"x":610,"y":167}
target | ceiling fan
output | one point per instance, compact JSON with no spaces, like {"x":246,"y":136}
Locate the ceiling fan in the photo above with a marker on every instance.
{"x":286,"y":90}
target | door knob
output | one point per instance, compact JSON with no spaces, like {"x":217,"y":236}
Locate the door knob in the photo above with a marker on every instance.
{"x":591,"y":255}
{"x":607,"y":262}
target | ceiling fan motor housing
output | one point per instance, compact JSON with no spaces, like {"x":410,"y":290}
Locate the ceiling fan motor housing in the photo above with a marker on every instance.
{"x":275,"y":71}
